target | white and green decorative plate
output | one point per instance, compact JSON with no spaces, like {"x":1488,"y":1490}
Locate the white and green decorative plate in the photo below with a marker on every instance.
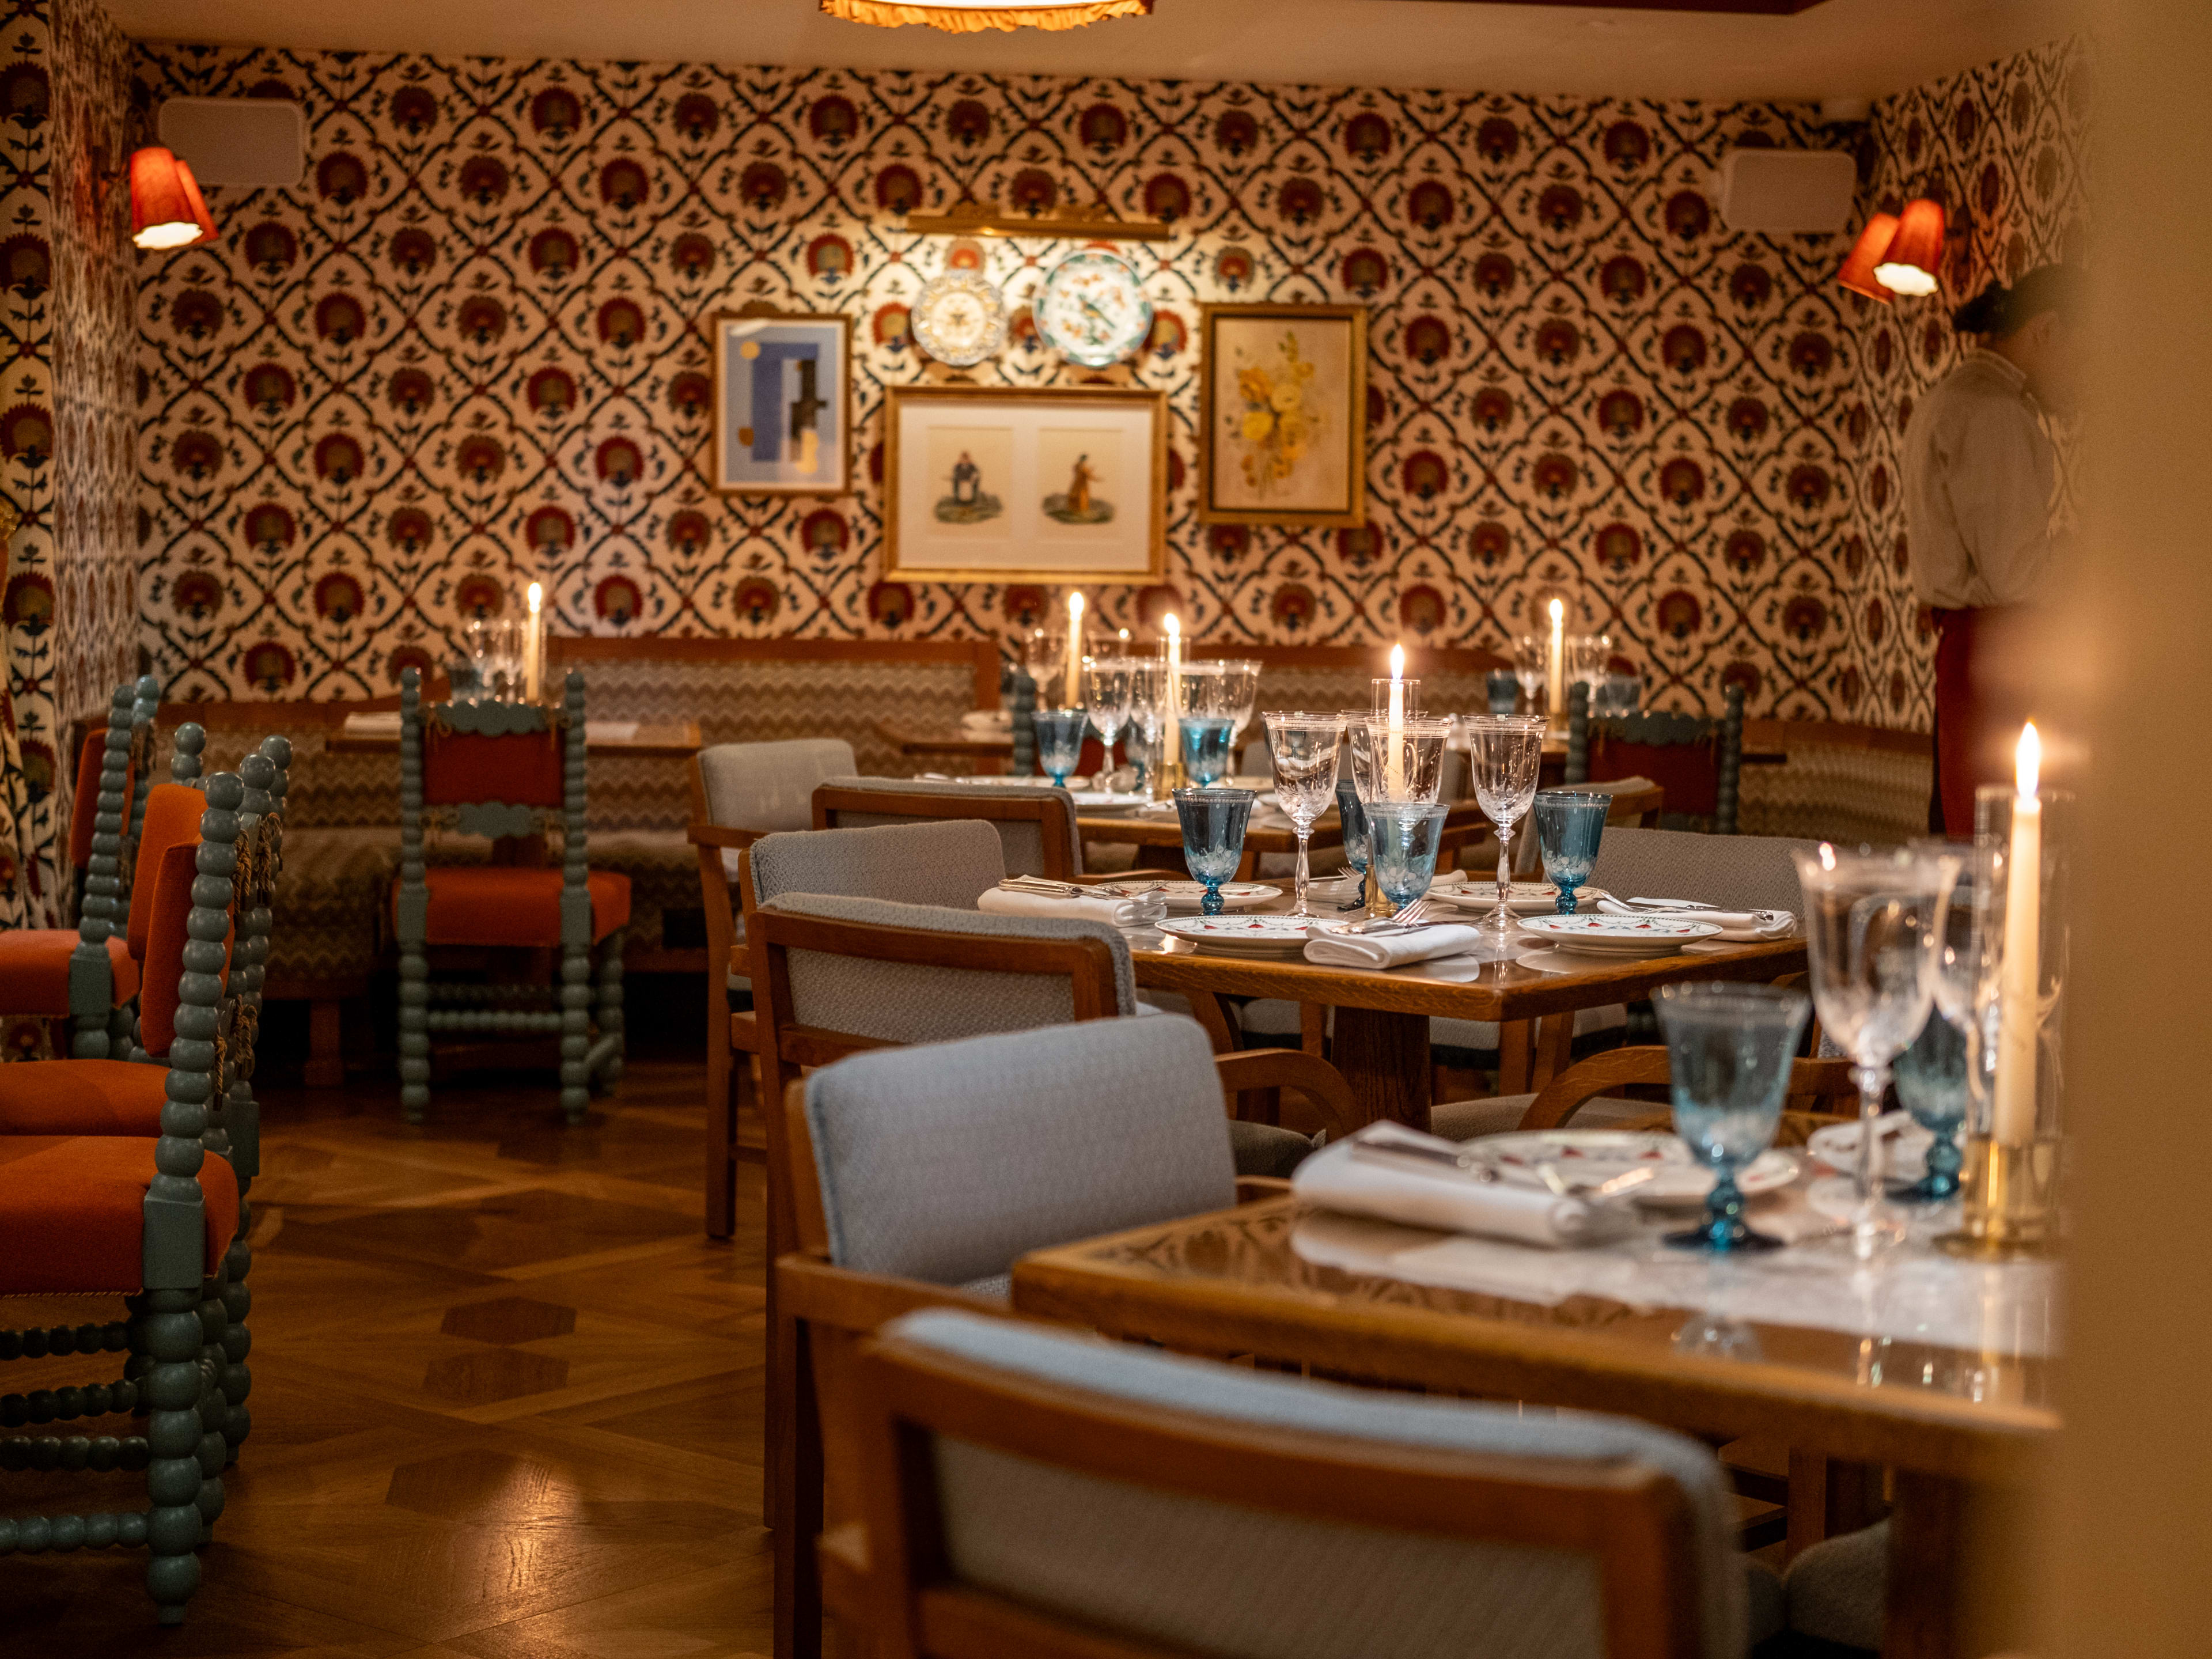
{"x":1528,"y":898}
{"x":1184,"y":897}
{"x":1603,"y":935}
{"x":960,"y":317}
{"x":1274,"y":936}
{"x":1092,"y":309}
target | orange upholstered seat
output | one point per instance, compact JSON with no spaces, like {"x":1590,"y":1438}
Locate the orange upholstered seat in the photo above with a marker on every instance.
{"x":172,"y":816}
{"x":35,"y":971}
{"x":87,"y":808}
{"x":72,"y":1212}
{"x":81,"y":1097}
{"x":504,"y":904}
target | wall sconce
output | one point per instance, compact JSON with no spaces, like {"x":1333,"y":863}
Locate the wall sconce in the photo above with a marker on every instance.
{"x":1857,"y":274}
{"x":167,"y":209}
{"x":1898,"y":255}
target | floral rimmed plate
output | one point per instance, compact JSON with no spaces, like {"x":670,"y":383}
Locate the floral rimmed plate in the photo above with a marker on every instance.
{"x":1597,"y":1155}
{"x":1242,"y":936}
{"x":1529,"y":899}
{"x":1619,"y":936}
{"x":1184,"y":897}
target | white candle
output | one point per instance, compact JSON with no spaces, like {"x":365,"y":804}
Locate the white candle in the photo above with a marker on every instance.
{"x":1075,"y":649}
{"x":532,"y":646}
{"x":1555,"y":696}
{"x":1170,"y":737}
{"x":1394,"y":758}
{"x":2018,"y":984}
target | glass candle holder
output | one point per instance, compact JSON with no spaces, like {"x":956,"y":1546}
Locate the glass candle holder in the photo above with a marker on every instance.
{"x":2009,"y":1179}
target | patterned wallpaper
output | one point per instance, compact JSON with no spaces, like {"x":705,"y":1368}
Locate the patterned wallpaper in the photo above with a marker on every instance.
{"x":2004,"y":146}
{"x":468,"y":349}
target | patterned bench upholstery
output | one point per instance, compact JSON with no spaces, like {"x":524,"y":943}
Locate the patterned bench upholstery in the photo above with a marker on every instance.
{"x":1847,"y":784}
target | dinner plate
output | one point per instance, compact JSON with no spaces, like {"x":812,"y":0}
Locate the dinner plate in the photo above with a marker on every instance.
{"x":1528,"y":898}
{"x":1904,"y":1158}
{"x":1596,"y":934}
{"x":1098,"y":803}
{"x":1242,"y":936}
{"x":1183,"y":898}
{"x":1597,"y":1155}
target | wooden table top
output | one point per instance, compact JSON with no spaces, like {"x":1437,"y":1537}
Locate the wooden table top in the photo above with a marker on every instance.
{"x":940,"y":740}
{"x":677,"y":741}
{"x":1233,"y":1282}
{"x":1270,"y":834}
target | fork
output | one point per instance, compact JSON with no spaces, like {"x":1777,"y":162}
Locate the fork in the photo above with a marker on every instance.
{"x":1070,"y":889}
{"x":1406,"y":918}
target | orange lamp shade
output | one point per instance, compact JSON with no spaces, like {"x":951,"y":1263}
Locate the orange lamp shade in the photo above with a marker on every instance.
{"x":167,"y":208}
{"x":1916,"y":253}
{"x":1871,"y":248}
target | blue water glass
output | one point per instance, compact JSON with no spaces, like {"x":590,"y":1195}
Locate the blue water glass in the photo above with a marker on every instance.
{"x":1931,"y":1081}
{"x":1569,"y":823}
{"x":1214,"y":822}
{"x":1060,"y":741}
{"x":1728,"y":1049}
{"x":1205,"y":747}
{"x":1502,"y":688}
{"x":1402,"y":837}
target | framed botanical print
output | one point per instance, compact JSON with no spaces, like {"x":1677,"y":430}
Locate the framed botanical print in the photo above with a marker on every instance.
{"x":783,"y":404}
{"x":1283,"y":415}
{"x":996,"y":484}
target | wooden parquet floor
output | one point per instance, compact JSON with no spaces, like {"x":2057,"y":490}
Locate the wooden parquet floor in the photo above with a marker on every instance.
{"x":506,"y":1399}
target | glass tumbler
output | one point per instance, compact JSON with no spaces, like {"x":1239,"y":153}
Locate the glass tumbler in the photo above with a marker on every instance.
{"x":1570,"y":822}
{"x":1060,"y":741}
{"x":1213,"y":824}
{"x":1728,"y":1049}
{"x":1403,"y":838}
{"x":1303,"y":748}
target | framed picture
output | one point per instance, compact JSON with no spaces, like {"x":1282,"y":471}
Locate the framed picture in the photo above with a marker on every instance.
{"x":783,"y":404}
{"x":992,"y":483}
{"x":1283,"y":415}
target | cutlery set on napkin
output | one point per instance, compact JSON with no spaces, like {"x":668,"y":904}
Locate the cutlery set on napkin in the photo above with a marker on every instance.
{"x":1116,"y":904}
{"x":1741,"y":926}
{"x":1396,"y":1174}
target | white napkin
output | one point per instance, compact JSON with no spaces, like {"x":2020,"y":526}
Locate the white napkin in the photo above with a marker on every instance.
{"x":609,"y":731}
{"x":988,"y":722}
{"x":375,"y":722}
{"x":1389,"y":950}
{"x":1905,"y":1157}
{"x":1333,"y":1179}
{"x":1740,"y":924}
{"x":1143,"y":911}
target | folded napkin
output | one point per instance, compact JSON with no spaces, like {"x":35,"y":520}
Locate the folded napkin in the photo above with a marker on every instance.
{"x":987,"y":722}
{"x":373,"y":722}
{"x":1393,"y":950}
{"x":609,"y":731}
{"x":1144,"y":911}
{"x":1744,"y":925}
{"x":1333,"y":1179}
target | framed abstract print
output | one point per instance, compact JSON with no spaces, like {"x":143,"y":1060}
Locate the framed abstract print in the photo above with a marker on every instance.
{"x":783,"y":404}
{"x":992,"y":483}
{"x":1283,"y":415}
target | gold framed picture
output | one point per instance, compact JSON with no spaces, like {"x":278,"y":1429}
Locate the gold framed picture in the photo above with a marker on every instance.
{"x":1051,"y":484}
{"x":783,"y":403}
{"x":1283,"y":415}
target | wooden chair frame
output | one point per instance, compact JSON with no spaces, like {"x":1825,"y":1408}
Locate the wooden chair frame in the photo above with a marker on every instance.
{"x":1725,"y":734}
{"x":1636,"y":1523}
{"x":733,"y":1036}
{"x":1050,"y":813}
{"x":1557,"y":1101}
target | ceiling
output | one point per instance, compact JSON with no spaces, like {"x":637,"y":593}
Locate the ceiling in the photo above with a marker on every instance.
{"x":1840,"y":48}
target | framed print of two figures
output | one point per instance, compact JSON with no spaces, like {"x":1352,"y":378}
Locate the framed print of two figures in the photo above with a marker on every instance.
{"x":997,"y":483}
{"x":783,"y":404}
{"x":1283,"y":415}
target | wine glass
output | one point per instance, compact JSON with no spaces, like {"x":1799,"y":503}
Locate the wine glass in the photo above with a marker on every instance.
{"x":1532,"y":664}
{"x":1240,"y":696}
{"x":1728,"y":1049}
{"x":1105,"y":687}
{"x":1570,"y":824}
{"x":1403,"y":838}
{"x":1588,"y":655}
{"x":1213,"y":824}
{"x":1934,"y":1073}
{"x":1872,"y":927}
{"x":1403,"y":761}
{"x":1060,"y":741}
{"x":1505,"y":752}
{"x":1351,"y":816}
{"x":1303,"y":746}
{"x":1148,"y":714}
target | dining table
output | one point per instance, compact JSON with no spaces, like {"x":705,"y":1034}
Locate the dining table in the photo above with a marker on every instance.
{"x":1938,"y":1369}
{"x":632,"y":739}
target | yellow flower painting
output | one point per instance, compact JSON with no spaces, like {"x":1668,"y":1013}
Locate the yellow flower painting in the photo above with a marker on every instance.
{"x":1279,"y":423}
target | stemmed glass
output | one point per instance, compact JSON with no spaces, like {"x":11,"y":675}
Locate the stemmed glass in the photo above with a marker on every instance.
{"x":1213,"y":824}
{"x":1588,"y":655}
{"x":1353,"y":817}
{"x":1570,"y":824}
{"x":1304,"y":747}
{"x":1728,"y":1049}
{"x":1505,"y":752}
{"x":1148,"y":714}
{"x":1933,"y":1072}
{"x":1874,"y":923}
{"x":1106,"y":699}
{"x":1240,"y":697}
{"x":1205,"y":723}
{"x":1060,"y":741}
{"x":1402,"y":837}
{"x":1532,"y":664}
{"x":1400,"y":762}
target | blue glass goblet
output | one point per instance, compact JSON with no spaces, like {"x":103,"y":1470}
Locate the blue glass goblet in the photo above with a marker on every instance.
{"x":1570,"y":822}
{"x":1205,"y":747}
{"x":1931,"y":1081}
{"x":1402,"y":837}
{"x":1060,"y":741}
{"x":1502,"y":690}
{"x":1728,"y":1049}
{"x":1214,"y":822}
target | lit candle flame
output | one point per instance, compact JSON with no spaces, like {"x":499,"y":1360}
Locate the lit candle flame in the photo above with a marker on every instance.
{"x":1559,"y":611}
{"x":1397,"y":662}
{"x":1074,"y":610}
{"x":1174,"y":627}
{"x":2027,"y":761}
{"x":536,"y":597}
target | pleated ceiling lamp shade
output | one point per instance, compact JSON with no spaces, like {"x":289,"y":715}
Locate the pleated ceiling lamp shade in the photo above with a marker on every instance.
{"x":167,"y":208}
{"x":974,"y":16}
{"x":1916,"y":253}
{"x":1872,"y":246}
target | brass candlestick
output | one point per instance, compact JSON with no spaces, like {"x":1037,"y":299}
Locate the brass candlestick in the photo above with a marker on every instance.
{"x":2008,"y":1198}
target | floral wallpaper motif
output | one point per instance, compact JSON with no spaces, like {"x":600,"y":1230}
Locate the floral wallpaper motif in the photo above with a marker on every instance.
{"x":2003,"y":147}
{"x":468,"y":349}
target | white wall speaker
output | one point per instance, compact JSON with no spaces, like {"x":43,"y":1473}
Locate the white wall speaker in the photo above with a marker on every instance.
{"x":250,"y":142}
{"x":1781,"y":192}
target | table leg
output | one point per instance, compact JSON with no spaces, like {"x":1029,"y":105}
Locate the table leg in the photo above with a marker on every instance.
{"x":1516,"y":1058}
{"x":1384,"y":1056}
{"x":1828,"y":1499}
{"x":1920,"y":1619}
{"x":1555,"y":1048}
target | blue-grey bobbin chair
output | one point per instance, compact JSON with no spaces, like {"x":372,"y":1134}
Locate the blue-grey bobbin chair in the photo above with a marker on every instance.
{"x":739,"y":793}
{"x":1698,"y":761}
{"x":505,"y":769}
{"x":1029,"y":1488}
{"x":153,"y":1220}
{"x":920,"y":1177}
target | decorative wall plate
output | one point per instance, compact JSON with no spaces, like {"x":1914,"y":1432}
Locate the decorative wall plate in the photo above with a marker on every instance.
{"x":960,"y":317}
{"x":1092,"y":310}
